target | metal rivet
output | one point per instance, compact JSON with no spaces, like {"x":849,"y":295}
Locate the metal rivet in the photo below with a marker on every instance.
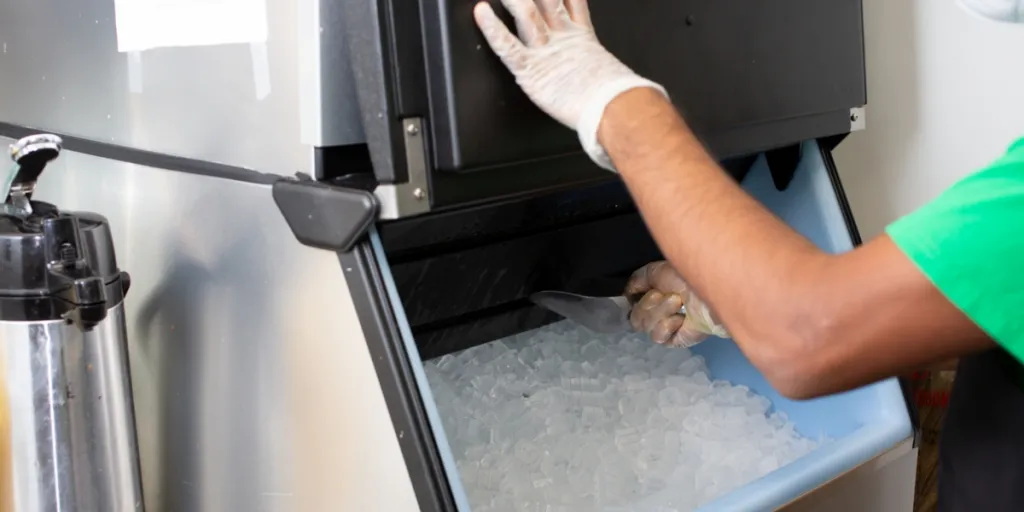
{"x":412,"y":129}
{"x":853,"y":117}
{"x":419,"y":194}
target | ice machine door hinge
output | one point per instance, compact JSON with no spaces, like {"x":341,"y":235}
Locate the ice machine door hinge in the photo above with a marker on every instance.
{"x":325,"y":216}
{"x":857,"y":121}
{"x":412,"y":197}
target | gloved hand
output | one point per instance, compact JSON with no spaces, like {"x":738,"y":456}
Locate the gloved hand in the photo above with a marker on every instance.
{"x":560,"y":64}
{"x":657,"y":313}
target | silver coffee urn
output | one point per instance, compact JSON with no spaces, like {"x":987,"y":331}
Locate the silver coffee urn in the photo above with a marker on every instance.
{"x":70,"y":438}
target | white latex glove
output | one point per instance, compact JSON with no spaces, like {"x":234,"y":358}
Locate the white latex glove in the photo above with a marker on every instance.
{"x":999,"y":10}
{"x":657,"y":313}
{"x":560,"y":64}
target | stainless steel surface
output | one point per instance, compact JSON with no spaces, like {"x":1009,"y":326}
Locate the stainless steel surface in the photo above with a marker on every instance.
{"x":412,"y":197}
{"x":260,"y":106}
{"x":599,"y":314}
{"x":857,"y":120}
{"x":72,"y":433}
{"x":254,"y":388}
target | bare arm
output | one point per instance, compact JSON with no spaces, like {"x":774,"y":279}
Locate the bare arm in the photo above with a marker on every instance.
{"x":812,"y":322}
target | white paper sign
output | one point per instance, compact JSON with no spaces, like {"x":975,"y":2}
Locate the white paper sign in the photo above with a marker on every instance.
{"x":148,"y":24}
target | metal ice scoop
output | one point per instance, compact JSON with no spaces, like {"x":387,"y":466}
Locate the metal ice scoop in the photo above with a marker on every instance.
{"x":609,"y":315}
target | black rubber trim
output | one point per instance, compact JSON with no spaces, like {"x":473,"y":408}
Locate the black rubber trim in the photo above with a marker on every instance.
{"x":851,"y":227}
{"x":394,"y":374}
{"x":325,"y":216}
{"x":143,"y":157}
{"x":844,"y":204}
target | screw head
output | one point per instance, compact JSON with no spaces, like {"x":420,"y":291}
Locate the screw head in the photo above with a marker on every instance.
{"x":412,"y":129}
{"x":419,"y":194}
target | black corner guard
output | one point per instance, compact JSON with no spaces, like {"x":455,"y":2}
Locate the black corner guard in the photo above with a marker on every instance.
{"x":325,"y":216}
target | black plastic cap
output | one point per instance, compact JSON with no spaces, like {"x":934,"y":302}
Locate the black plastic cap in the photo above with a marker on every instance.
{"x":325,"y":216}
{"x":56,"y":265}
{"x":32,"y":249}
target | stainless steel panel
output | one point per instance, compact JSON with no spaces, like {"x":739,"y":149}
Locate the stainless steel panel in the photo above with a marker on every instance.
{"x":72,"y":434}
{"x":412,"y":197}
{"x":254,"y":389}
{"x":257,"y":106}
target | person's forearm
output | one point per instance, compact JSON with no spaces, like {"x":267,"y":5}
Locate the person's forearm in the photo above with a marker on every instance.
{"x":752,"y":269}
{"x":813,"y":323}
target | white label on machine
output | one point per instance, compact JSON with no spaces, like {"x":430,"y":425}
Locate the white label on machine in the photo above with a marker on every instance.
{"x":148,"y":24}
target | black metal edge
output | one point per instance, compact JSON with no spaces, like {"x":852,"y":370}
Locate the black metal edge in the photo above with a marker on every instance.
{"x":770,"y":135}
{"x":330,"y":162}
{"x":407,"y":54}
{"x":477,"y":225}
{"x":437,"y":80}
{"x":369,"y":44}
{"x":394,"y":373}
{"x":825,"y":148}
{"x":829,"y":143}
{"x":325,"y":216}
{"x":782,"y":164}
{"x":837,"y":186}
{"x":143,"y":157}
{"x":863,"y":53}
{"x":450,"y":188}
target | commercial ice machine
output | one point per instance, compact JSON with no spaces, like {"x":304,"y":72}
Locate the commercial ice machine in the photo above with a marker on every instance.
{"x":313,"y":197}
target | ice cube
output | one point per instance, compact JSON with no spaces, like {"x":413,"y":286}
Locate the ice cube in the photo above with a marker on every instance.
{"x":527,"y":452}
{"x":593,"y":350}
{"x":628,"y":439}
{"x":593,"y":416}
{"x":446,"y":363}
{"x":670,"y":396}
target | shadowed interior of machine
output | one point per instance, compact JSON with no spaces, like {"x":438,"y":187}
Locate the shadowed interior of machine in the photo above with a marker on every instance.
{"x":465,"y":276}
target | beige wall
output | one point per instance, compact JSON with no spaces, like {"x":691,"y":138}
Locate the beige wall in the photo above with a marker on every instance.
{"x":945,"y":96}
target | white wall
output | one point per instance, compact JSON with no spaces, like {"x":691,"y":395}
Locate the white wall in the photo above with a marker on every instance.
{"x":945,"y":96}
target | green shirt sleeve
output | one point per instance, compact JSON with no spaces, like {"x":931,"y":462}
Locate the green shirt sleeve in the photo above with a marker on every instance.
{"x":970,"y":243}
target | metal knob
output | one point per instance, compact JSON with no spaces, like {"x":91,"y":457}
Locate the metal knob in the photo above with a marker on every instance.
{"x":30,"y":155}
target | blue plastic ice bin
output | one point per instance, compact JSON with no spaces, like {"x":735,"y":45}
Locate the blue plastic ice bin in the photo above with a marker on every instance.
{"x":862,"y":424}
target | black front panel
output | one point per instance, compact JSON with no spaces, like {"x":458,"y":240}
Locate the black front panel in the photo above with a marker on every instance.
{"x":735,"y":67}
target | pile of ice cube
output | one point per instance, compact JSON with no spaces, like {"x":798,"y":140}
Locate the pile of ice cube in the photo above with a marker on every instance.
{"x":563,"y":420}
